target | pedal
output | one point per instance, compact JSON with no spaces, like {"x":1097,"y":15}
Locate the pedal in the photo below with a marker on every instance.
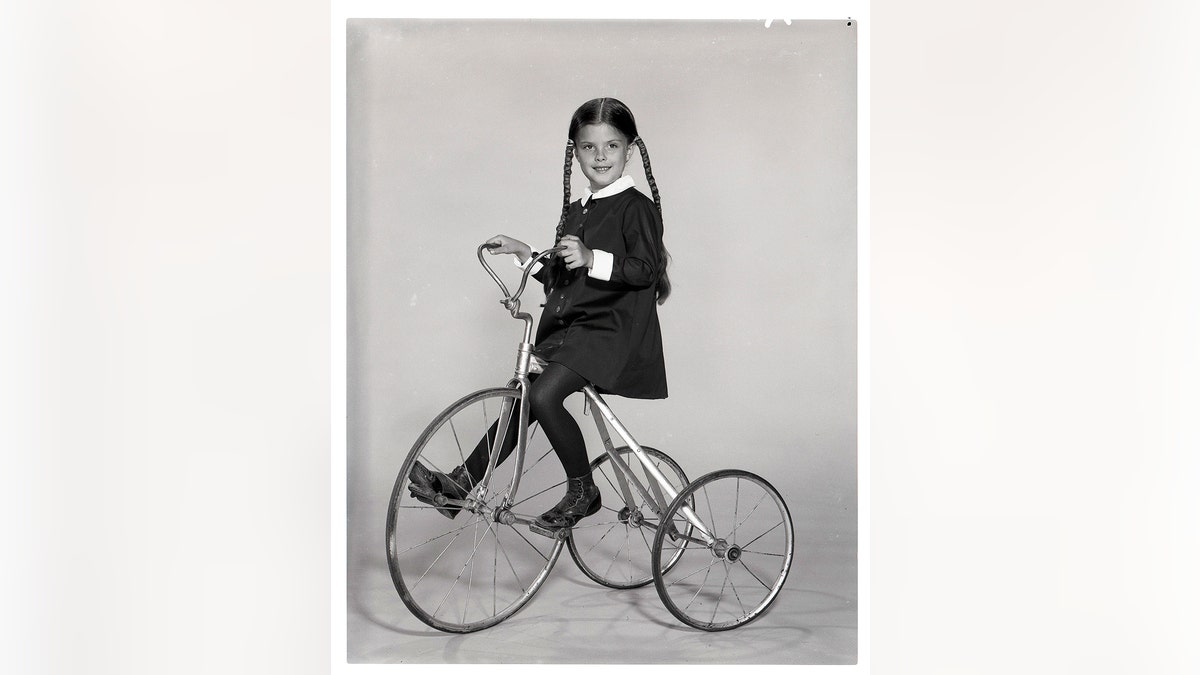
{"x":560,"y":534}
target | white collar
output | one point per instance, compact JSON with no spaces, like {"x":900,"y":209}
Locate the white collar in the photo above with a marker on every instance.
{"x":619,"y":185}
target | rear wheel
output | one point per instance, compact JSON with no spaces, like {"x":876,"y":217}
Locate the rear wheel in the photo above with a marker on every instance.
{"x":613,"y":547}
{"x":732,"y":580}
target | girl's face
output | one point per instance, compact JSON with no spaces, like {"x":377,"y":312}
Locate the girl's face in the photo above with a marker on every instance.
{"x":601,"y":151}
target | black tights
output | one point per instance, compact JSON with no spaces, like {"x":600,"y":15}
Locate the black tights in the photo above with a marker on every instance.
{"x":547,"y":392}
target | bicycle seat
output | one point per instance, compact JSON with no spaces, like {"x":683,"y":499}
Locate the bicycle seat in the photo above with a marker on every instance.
{"x":536,"y":365}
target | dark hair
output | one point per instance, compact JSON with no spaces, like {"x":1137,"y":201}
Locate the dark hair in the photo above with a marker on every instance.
{"x":612,"y":112}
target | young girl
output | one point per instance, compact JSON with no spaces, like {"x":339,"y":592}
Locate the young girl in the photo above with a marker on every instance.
{"x":600,"y":323}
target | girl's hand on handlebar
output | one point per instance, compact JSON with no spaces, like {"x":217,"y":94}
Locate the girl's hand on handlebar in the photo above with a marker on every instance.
{"x":574,"y":253}
{"x":502,"y":244}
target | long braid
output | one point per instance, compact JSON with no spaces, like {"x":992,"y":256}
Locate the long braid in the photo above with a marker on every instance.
{"x":649,"y":174}
{"x":562,"y":220}
{"x":664,"y":283}
{"x":555,"y":268}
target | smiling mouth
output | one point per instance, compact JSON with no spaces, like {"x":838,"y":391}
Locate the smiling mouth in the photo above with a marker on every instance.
{"x":601,"y":169}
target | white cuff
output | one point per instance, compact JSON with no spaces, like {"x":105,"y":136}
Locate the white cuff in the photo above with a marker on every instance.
{"x":523,"y":265}
{"x":602,"y":265}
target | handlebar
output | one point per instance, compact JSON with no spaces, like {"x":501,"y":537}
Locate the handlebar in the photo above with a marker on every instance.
{"x":512,"y":300}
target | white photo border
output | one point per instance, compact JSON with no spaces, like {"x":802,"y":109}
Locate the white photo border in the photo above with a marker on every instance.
{"x":343,"y":10}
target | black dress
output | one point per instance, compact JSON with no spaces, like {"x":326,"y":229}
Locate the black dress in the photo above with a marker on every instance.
{"x":608,"y":331}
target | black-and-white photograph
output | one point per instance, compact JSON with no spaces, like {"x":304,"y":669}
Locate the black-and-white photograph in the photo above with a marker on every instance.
{"x":602,"y":341}
{"x":599,"y":336}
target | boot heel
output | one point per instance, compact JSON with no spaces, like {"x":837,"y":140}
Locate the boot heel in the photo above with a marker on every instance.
{"x":594,"y":508}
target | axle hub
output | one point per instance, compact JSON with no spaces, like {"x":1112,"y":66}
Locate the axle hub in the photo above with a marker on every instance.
{"x":725,"y":550}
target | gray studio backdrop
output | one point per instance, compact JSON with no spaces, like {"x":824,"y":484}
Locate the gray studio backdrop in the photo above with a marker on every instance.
{"x":456,"y":133}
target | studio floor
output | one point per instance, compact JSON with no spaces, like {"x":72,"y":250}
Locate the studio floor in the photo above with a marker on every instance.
{"x":574,"y":620}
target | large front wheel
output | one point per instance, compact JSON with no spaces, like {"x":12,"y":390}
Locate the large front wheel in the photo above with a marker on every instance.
{"x":470,"y":572}
{"x":733,"y":576}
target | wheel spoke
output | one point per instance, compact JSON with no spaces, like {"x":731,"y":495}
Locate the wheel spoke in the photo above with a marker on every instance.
{"x":773,"y":555}
{"x":426,"y":507}
{"x":758,"y":504}
{"x":435,"y":560}
{"x":469,"y":561}
{"x":737,"y":498}
{"x":743,"y":547}
{"x":612,"y":561}
{"x":540,"y":492}
{"x":433,"y":539}
{"x":733,"y":587}
{"x":756,"y":577}
{"x":607,"y":479}
{"x":457,"y":443}
{"x":471,"y":576}
{"x":685,"y":578}
{"x":529,"y":442}
{"x":531,"y":544}
{"x":703,"y":581}
{"x":495,"y":564}
{"x":606,"y":533}
{"x":721,"y":594}
{"x":530,"y":467}
{"x":649,"y":546}
{"x":504,"y":551}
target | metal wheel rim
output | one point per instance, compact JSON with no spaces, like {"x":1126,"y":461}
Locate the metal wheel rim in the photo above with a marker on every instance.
{"x":687,"y":589}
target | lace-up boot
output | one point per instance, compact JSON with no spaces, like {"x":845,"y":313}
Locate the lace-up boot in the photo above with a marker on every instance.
{"x":582,"y":500}
{"x":426,"y":485}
